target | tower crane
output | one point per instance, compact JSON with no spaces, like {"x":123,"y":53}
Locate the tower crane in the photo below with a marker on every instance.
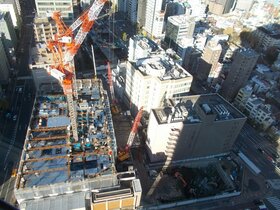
{"x":64,"y":47}
{"x":124,"y":154}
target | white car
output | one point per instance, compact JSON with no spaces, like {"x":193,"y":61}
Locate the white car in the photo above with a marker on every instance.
{"x":14,"y":117}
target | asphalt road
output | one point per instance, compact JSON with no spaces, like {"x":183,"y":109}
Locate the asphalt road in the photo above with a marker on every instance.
{"x":249,"y":142}
{"x":13,"y":129}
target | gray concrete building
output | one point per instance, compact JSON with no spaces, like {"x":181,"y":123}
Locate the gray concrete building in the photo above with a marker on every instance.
{"x":193,"y":127}
{"x":177,"y":28}
{"x":244,"y":61}
{"x":4,"y":65}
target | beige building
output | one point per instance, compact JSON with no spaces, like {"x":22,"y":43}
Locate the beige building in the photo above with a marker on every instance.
{"x":44,"y":29}
{"x":193,"y":127}
{"x":244,"y":61}
{"x":208,"y":62}
{"x":65,"y":6}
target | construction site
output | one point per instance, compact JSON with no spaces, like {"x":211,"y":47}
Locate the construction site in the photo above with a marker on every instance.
{"x":68,"y":158}
{"x":195,"y":181}
{"x":53,"y":163}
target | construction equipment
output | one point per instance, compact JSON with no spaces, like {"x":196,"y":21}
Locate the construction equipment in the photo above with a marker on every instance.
{"x":123,"y":154}
{"x":64,"y":47}
{"x":114,"y":106}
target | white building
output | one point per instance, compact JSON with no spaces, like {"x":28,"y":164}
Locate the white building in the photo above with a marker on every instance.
{"x":139,"y":47}
{"x":149,"y":81}
{"x":12,"y":6}
{"x":65,"y":6}
{"x":154,"y":18}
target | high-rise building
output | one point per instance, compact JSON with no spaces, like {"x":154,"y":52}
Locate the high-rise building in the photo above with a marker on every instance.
{"x":192,"y":128}
{"x":4,"y":65}
{"x":44,"y":29}
{"x":151,"y":80}
{"x":154,"y":17}
{"x":175,"y":8}
{"x":64,"y":6}
{"x":7,"y":33}
{"x":132,"y":10}
{"x":177,"y":28}
{"x":244,"y":60}
{"x":141,"y":12}
{"x":207,"y":64}
{"x":12,"y":6}
{"x":219,"y":7}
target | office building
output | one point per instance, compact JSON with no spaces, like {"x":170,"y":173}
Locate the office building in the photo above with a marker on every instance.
{"x":57,"y":172}
{"x":13,"y":7}
{"x":177,"y":28}
{"x":208,"y":62}
{"x":44,"y":7}
{"x":132,"y":11}
{"x":267,"y":36}
{"x":152,"y":80}
{"x":44,"y":29}
{"x":219,"y":7}
{"x":8,"y":34}
{"x":193,"y":127}
{"x":154,"y":18}
{"x":244,"y":61}
{"x":175,"y":8}
{"x":141,"y":12}
{"x":4,"y":65}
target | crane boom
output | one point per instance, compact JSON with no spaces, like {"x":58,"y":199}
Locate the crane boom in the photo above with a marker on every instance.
{"x":64,"y":47}
{"x":134,"y":128}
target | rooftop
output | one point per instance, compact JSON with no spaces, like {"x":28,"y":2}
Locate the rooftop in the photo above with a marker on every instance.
{"x":51,"y":156}
{"x":161,"y":66}
{"x":189,"y":109}
{"x":273,"y":30}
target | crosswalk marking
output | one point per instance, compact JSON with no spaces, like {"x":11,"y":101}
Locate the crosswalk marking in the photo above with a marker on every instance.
{"x":274,"y":201}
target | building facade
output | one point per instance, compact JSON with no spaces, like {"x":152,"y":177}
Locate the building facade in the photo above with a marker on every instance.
{"x":132,"y":11}
{"x":65,"y":6}
{"x":208,"y":63}
{"x":8,"y":34}
{"x":153,"y":17}
{"x":150,"y":81}
{"x":4,"y":65}
{"x":44,"y":29}
{"x":193,"y":127}
{"x":244,"y":61}
{"x":141,"y":12}
{"x":12,"y":6}
{"x":177,"y":28}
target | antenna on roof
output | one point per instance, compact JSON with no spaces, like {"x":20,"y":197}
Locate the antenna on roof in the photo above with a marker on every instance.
{"x":93,"y":61}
